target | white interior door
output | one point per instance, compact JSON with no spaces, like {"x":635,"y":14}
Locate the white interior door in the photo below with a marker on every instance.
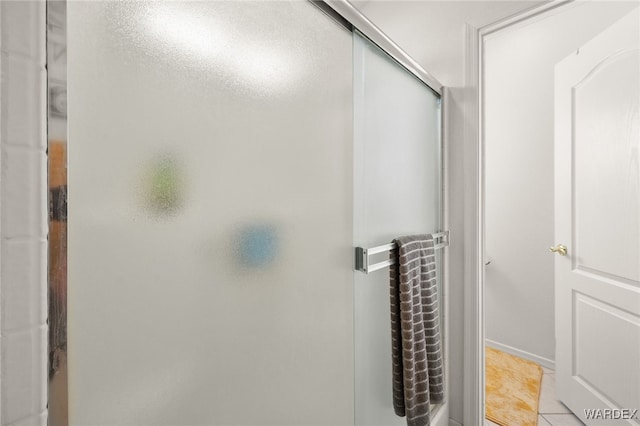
{"x":598,"y":220}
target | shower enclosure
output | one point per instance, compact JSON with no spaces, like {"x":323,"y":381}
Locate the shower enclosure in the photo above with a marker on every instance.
{"x":223,"y":161}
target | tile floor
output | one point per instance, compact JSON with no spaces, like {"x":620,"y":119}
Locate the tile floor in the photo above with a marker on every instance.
{"x":551,"y":412}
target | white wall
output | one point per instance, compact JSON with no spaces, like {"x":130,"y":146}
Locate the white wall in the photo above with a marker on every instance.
{"x":519,"y":72}
{"x":23,"y":234}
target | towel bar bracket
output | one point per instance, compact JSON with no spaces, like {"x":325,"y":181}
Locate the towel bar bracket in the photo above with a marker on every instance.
{"x":441,"y":239}
{"x":362,"y":259}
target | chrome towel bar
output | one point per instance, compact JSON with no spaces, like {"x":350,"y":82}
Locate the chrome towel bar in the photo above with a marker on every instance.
{"x":362,"y":254}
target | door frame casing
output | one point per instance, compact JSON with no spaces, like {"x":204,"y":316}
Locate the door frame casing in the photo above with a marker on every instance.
{"x":474,"y":203}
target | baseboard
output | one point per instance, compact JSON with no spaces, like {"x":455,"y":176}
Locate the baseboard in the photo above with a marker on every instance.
{"x":545,"y":362}
{"x":454,"y":423}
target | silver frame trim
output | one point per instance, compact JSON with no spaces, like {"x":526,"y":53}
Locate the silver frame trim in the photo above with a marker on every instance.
{"x":56,"y":45}
{"x":379,"y":38}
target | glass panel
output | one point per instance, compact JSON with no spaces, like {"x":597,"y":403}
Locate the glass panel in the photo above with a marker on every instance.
{"x":397,"y":192}
{"x":210,"y":214}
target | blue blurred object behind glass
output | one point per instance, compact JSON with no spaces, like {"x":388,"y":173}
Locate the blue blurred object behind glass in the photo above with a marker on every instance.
{"x":258,"y":245}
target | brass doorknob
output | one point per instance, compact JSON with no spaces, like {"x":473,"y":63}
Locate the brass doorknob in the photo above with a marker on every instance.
{"x":560,"y":249}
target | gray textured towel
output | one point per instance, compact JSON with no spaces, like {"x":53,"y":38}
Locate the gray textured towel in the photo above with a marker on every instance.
{"x":415,"y":330}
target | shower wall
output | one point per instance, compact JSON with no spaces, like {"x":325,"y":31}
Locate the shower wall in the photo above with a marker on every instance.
{"x":23,"y":225}
{"x":210,"y":214}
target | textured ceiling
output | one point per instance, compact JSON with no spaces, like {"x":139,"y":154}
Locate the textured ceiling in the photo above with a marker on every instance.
{"x":433,"y":32}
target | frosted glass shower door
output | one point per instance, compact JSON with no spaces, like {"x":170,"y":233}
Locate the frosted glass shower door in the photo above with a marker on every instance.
{"x":210,"y":214}
{"x":397,"y":191}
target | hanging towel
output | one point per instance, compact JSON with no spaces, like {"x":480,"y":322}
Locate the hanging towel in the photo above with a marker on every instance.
{"x":415,"y":329}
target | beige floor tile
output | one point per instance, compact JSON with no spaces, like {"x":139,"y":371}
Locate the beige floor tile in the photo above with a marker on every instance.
{"x":542,"y":421}
{"x":562,"y":420}
{"x":490,"y":423}
{"x":549,"y":403}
